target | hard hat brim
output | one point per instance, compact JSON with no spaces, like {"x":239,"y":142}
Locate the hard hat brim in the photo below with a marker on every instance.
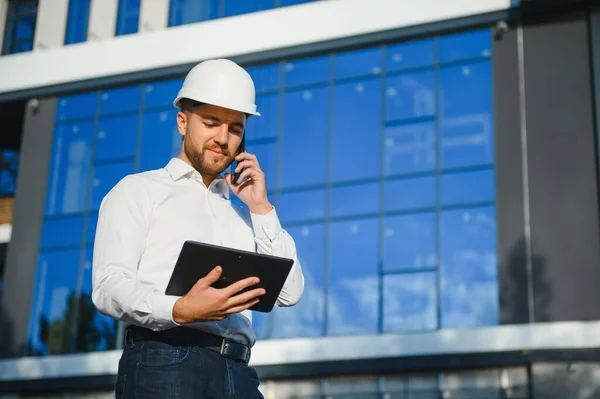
{"x":249,"y":109}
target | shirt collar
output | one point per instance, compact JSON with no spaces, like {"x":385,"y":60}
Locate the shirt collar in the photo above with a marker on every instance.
{"x":178,"y":168}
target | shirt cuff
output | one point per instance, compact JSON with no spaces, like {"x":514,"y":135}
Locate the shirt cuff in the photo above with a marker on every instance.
{"x":162,"y":310}
{"x":266,"y":226}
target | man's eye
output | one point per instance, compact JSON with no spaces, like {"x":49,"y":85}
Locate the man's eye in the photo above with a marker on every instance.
{"x":210,"y":125}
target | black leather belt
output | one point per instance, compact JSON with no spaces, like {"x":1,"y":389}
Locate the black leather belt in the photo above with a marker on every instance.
{"x":183,"y":336}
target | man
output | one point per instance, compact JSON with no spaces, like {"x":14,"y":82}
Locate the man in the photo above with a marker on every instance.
{"x":198,"y":345}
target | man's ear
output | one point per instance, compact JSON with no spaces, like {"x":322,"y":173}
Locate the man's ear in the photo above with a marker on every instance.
{"x":181,"y":122}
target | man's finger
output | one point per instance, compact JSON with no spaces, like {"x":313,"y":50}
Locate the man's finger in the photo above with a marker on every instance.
{"x":242,"y":307}
{"x":240,"y":285}
{"x":245,"y":297}
{"x":212,"y":276}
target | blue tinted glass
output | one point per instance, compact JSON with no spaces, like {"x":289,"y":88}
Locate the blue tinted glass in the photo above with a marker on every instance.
{"x":410,"y":95}
{"x":306,"y":318}
{"x":23,"y":46}
{"x":77,"y":21}
{"x":116,"y":137}
{"x":304,"y":145}
{"x":77,"y":106}
{"x":465,"y":45}
{"x":410,"y":241}
{"x":469,"y":270}
{"x":265,"y":77}
{"x":120,"y":100}
{"x":466,"y":122}
{"x":409,"y":193}
{"x":160,"y":139}
{"x":92,"y":222}
{"x":357,"y":63}
{"x":305,"y":71}
{"x":25,"y":28}
{"x":266,"y":125}
{"x":55,"y":284}
{"x":161,"y":93}
{"x":267,"y":159}
{"x":301,"y":205}
{"x":96,"y":332}
{"x":237,"y":7}
{"x":69,"y":168}
{"x":465,"y":187}
{"x":352,"y":299}
{"x":106,"y":177}
{"x":62,"y":232}
{"x":128,"y":17}
{"x":285,"y":3}
{"x":354,"y":200}
{"x":409,"y":302}
{"x":9,"y":172}
{"x":414,"y":54}
{"x":409,"y":148}
{"x":183,"y":12}
{"x":356,"y":130}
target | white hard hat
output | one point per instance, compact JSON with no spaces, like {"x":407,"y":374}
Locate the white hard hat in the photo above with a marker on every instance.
{"x":222,"y":83}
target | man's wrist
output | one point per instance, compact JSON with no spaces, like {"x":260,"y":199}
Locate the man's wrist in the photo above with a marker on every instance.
{"x":261,"y":209}
{"x":178,"y":316}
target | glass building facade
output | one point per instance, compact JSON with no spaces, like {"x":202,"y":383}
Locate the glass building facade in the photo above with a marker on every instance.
{"x":380,"y":162}
{"x":20,"y":26}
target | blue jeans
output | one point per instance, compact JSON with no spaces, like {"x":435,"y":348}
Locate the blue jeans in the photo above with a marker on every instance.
{"x":153,"y":369}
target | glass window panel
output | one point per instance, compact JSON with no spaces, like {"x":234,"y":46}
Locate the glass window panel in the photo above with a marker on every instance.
{"x":353,"y":299}
{"x":409,"y":302}
{"x":306,"y":318}
{"x":183,"y":12}
{"x":161,"y":93}
{"x":128,"y":17}
{"x":413,"y":54}
{"x":117,"y":137}
{"x":106,"y":177}
{"x":351,"y":384}
{"x":77,"y":21}
{"x":466,"y":121}
{"x":465,"y":45}
{"x":465,"y":187}
{"x":69,"y":168}
{"x":301,"y":205}
{"x":265,"y":77}
{"x":409,"y":148}
{"x":55,"y":285}
{"x":260,"y":324}
{"x":409,"y":193}
{"x":357,"y":63}
{"x":410,"y":241}
{"x":92,"y":223}
{"x":266,"y":125}
{"x":267,"y":159}
{"x":410,"y":95}
{"x":237,"y":7}
{"x":469,"y":271}
{"x":62,"y":232}
{"x":25,"y":28}
{"x":160,"y":139}
{"x":305,"y":71}
{"x":356,"y":130}
{"x":120,"y":100}
{"x":304,"y":146}
{"x":77,"y":106}
{"x":285,"y":3}
{"x":26,"y":45}
{"x":9,"y":171}
{"x":354,"y":200}
{"x":95,"y":331}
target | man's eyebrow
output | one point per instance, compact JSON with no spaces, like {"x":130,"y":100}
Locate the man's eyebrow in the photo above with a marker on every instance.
{"x":218,"y":120}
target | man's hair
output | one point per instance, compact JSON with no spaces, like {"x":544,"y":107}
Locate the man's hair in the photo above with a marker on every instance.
{"x":185,"y":104}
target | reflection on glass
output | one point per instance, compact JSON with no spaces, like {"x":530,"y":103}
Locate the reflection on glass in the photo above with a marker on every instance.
{"x":77,"y":106}
{"x":410,"y":95}
{"x":304,"y":145}
{"x":305,"y":319}
{"x":469,"y":271}
{"x":116,"y":137}
{"x":92,"y":222}
{"x":410,"y":193}
{"x":69,"y":168}
{"x":53,"y":302}
{"x":409,"y":148}
{"x":161,"y":93}
{"x":9,"y":170}
{"x":160,"y":139}
{"x":77,"y":21}
{"x":305,"y":71}
{"x":237,"y":7}
{"x":266,"y":125}
{"x":409,"y":302}
{"x":465,"y":45}
{"x":62,"y":232}
{"x":413,"y":54}
{"x":467,"y":187}
{"x":354,"y":200}
{"x":128,"y":17}
{"x":121,"y":99}
{"x":410,"y":241}
{"x":356,"y":130}
{"x":466,"y":124}
{"x":357,"y":63}
{"x":301,"y":205}
{"x":106,"y":177}
{"x":353,"y":295}
{"x":265,"y":77}
{"x":183,"y":12}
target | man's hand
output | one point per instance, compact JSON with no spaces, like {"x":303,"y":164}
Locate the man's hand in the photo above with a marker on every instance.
{"x":253,"y":191}
{"x":205,"y":303}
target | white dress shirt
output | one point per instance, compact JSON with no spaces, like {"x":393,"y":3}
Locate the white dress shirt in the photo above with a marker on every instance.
{"x":142,"y":225}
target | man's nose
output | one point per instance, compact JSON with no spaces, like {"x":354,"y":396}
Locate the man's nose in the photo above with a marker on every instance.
{"x":222,"y":135}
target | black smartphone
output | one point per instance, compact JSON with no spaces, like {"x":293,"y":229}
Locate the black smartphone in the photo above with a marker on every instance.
{"x":235,"y":176}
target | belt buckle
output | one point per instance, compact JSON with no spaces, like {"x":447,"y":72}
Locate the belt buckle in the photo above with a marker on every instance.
{"x":223,"y":352}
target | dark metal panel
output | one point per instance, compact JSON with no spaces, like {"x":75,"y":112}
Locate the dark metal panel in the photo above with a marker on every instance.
{"x":562,"y":172}
{"x":22,"y":258}
{"x":512,"y":254}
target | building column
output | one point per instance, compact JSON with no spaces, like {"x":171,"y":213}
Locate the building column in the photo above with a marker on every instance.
{"x":103,"y":19}
{"x":154,"y":15}
{"x":50,"y":24}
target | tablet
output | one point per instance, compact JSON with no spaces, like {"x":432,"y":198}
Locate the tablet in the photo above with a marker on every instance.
{"x":197,"y":259}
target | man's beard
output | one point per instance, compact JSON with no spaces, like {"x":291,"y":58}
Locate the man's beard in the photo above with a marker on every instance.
{"x":200,"y":164}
